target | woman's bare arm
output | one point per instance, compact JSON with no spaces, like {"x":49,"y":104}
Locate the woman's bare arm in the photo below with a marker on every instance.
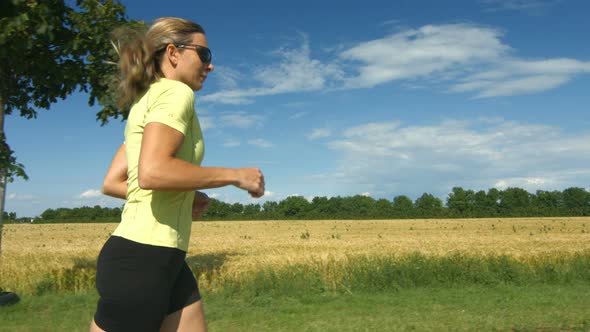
{"x":115,"y":182}
{"x":159,"y":169}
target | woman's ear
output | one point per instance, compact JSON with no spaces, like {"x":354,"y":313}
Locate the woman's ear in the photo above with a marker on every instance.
{"x":172,"y":54}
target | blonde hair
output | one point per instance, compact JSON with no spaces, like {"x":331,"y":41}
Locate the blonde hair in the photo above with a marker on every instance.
{"x":140,"y":53}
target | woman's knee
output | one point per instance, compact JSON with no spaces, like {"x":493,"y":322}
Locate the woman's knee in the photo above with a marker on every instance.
{"x":190,"y":318}
{"x":94,"y":327}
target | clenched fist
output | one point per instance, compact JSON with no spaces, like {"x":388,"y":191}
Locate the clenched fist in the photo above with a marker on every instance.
{"x":251,"y":180}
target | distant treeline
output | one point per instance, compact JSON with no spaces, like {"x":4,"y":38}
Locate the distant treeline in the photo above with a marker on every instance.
{"x":460,"y":203}
{"x":66,"y":215}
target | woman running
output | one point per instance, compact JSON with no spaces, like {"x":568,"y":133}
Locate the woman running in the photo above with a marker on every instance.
{"x":142,"y":277}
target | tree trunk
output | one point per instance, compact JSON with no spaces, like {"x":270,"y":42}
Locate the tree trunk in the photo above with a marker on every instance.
{"x":2,"y":176}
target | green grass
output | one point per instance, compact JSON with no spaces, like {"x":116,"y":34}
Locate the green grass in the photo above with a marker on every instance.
{"x":362,"y":293}
{"x":359,"y":274}
{"x":468,"y":308}
{"x":393,"y":273}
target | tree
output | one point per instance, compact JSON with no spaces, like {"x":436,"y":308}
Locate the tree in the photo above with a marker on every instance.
{"x":548,"y":202}
{"x":461,"y":202}
{"x":270,"y":209}
{"x":493,"y":198}
{"x":251,"y":211}
{"x":49,"y":50}
{"x":402,"y":206}
{"x":337,"y":206}
{"x":9,"y":217}
{"x":294,"y":207}
{"x":577,"y":200}
{"x":361,"y":207}
{"x":486,"y":204}
{"x":236,"y":210}
{"x":49,"y":214}
{"x":217,"y":210}
{"x":383,"y":208}
{"x":321,"y":208}
{"x":515,"y":201}
{"x":428,"y":205}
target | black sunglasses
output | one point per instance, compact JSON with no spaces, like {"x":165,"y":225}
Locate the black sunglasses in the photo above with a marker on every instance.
{"x":203,"y":52}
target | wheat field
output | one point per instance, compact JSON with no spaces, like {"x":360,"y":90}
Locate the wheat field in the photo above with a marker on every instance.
{"x":229,"y":249}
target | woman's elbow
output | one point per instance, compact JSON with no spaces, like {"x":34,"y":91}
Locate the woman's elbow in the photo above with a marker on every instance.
{"x":144,"y":184}
{"x":146,"y":180}
{"x":114,"y":188}
{"x":107,"y":188}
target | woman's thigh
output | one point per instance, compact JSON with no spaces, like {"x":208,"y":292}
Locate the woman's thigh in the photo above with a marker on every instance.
{"x":190,"y":318}
{"x":133,"y":282}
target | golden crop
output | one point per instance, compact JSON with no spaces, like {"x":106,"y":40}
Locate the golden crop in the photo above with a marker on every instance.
{"x":230,"y":248}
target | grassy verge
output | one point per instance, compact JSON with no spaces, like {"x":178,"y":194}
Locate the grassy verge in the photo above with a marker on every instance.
{"x":353,"y":274}
{"x":481,"y":308}
{"x":392,"y":273}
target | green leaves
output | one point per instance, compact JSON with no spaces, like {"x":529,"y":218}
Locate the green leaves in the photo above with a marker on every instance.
{"x":49,"y":50}
{"x":8,"y":162}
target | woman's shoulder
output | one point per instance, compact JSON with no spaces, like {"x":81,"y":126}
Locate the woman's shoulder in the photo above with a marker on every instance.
{"x":172,"y":98}
{"x":167,"y":85}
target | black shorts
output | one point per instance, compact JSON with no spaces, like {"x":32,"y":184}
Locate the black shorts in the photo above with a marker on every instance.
{"x":140,"y":284}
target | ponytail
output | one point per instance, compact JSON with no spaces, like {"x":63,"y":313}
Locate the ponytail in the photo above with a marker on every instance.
{"x":140,"y":54}
{"x":137,"y":65}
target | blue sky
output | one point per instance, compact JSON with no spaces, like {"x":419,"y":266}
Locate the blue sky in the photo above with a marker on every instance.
{"x":381,"y":98}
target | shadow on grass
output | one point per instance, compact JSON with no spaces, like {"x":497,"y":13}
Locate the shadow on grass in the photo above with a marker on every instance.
{"x":80,"y":277}
{"x":207,"y":266}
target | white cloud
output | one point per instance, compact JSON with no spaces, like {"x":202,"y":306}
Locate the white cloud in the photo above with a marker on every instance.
{"x":24,"y":197}
{"x":419,"y":53}
{"x":296,"y":104}
{"x":470,"y":58}
{"x":530,"y":184}
{"x":231,"y":143}
{"x":501,"y":184}
{"x":261,"y":143}
{"x":214,"y":195}
{"x":390,"y":157}
{"x":206,"y":122}
{"x":516,"y":77}
{"x":298,"y":115}
{"x":240,"y":120}
{"x":366,"y":194}
{"x":228,"y":78}
{"x":391,"y":22}
{"x":90,"y":193}
{"x":268,"y":196}
{"x":236,"y":119}
{"x":456,"y":58}
{"x":530,"y":6}
{"x":535,"y":181}
{"x":319,"y":133}
{"x":518,"y":86}
{"x":242,"y":197}
{"x":91,"y":199}
{"x":295,"y":71}
{"x":467,"y":57}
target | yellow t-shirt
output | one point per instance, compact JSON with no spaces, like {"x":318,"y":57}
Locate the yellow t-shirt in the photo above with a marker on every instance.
{"x":156,"y":217}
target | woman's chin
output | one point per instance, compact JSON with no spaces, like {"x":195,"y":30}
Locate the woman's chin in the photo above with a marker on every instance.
{"x":197,"y":86}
